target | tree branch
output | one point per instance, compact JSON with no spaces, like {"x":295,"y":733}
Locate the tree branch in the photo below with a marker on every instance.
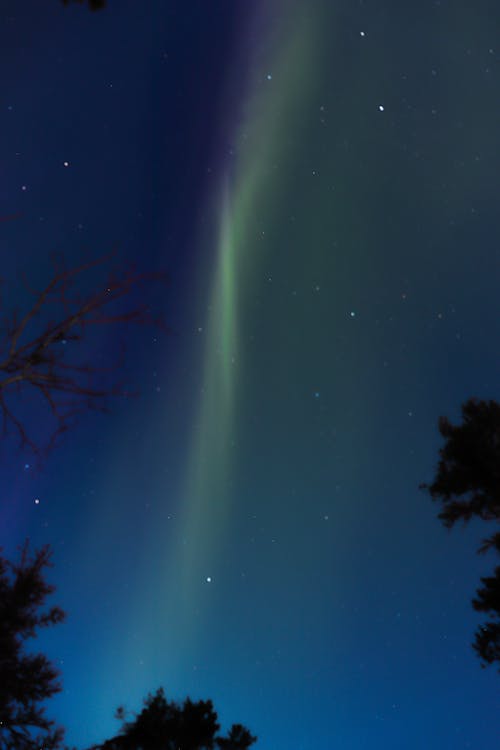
{"x":37,"y":360}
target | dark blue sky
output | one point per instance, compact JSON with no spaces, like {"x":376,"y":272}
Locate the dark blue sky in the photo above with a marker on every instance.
{"x":320,"y":183}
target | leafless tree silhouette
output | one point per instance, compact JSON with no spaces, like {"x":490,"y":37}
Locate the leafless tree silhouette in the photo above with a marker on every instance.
{"x":34,"y":355}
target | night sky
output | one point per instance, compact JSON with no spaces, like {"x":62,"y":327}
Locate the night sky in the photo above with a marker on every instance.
{"x":320,"y":181}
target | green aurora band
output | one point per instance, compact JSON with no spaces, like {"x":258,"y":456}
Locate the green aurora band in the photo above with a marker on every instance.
{"x":278,"y":91}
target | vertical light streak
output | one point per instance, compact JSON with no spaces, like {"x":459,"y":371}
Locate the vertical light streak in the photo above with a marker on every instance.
{"x":272,"y":117}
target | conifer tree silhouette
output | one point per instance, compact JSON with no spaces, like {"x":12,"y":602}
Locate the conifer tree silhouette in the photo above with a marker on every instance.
{"x":167,"y":725}
{"x":27,"y":679}
{"x":467,"y":484}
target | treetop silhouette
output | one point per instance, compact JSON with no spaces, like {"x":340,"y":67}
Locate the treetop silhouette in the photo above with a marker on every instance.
{"x":467,"y":484}
{"x":26,"y":679}
{"x":467,"y":480}
{"x":93,"y":4}
{"x":167,"y":725}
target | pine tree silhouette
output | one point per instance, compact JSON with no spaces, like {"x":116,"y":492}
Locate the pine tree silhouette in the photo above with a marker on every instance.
{"x":467,"y":484}
{"x":26,"y":679}
{"x":167,"y":725}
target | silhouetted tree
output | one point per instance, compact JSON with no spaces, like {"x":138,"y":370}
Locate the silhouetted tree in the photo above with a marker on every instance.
{"x":239,"y":738}
{"x":33,"y":351}
{"x":166,"y":725}
{"x":467,"y":483}
{"x":93,"y":4}
{"x":26,"y":679}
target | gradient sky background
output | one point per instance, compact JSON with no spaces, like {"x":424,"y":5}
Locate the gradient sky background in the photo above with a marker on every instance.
{"x":320,"y":181}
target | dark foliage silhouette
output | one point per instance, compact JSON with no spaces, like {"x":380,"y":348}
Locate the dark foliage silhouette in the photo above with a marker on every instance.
{"x":27,"y":679}
{"x":239,"y":738}
{"x":35,"y":346}
{"x":487,"y":640}
{"x":467,"y":483}
{"x":167,"y":725}
{"x":93,"y":4}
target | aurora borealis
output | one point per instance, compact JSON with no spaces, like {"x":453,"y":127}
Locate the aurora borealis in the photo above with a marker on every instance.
{"x":319,"y":180}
